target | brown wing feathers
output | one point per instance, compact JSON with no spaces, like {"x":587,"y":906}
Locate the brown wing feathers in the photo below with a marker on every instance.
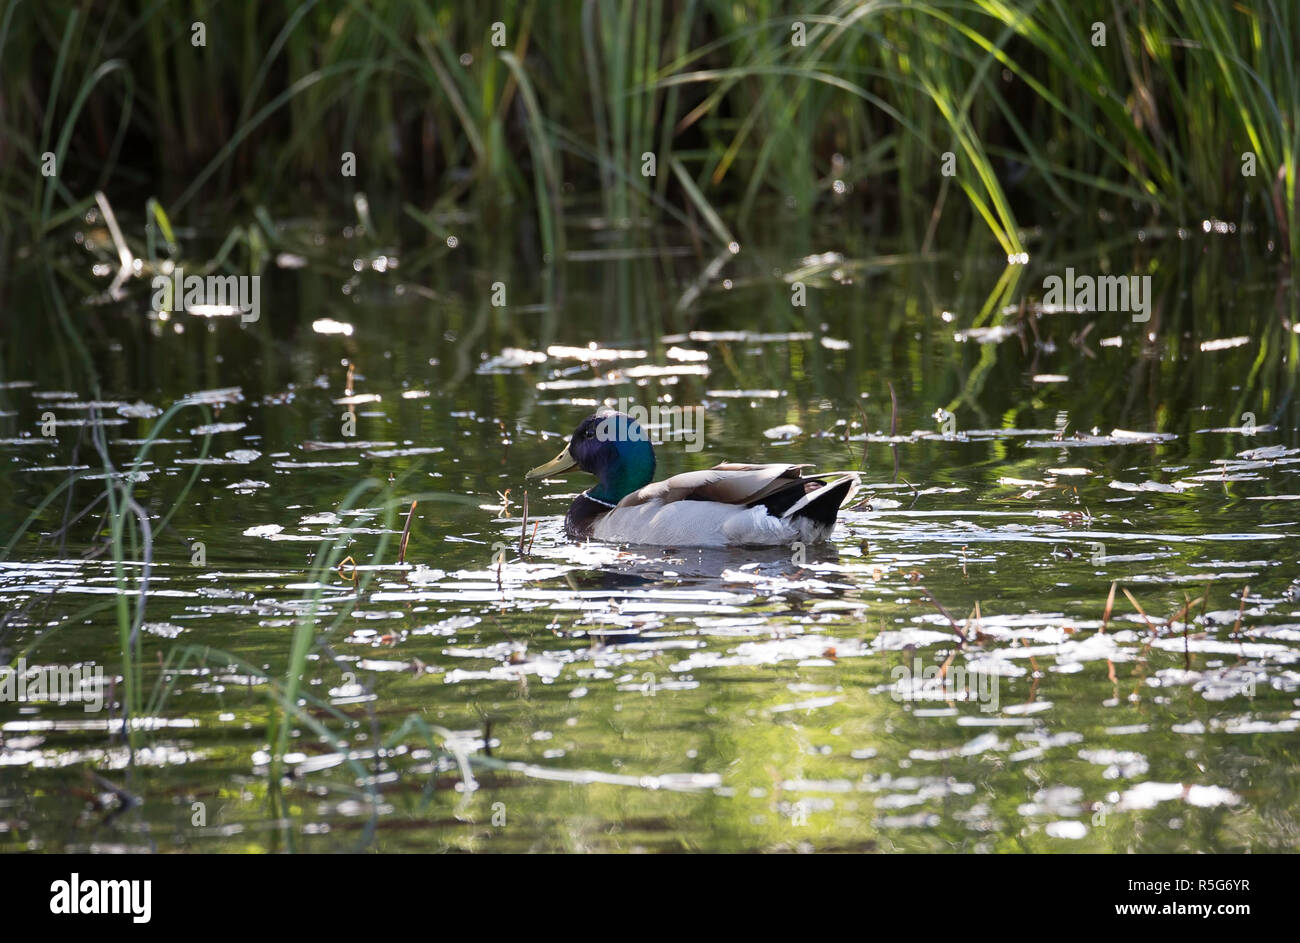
{"x":728,"y":483}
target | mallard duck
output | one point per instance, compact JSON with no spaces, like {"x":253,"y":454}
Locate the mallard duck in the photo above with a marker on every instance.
{"x":728,"y":505}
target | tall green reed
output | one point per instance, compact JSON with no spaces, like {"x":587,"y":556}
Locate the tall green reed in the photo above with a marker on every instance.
{"x":1047,"y":123}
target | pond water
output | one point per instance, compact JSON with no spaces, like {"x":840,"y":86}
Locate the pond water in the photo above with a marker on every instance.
{"x":476,"y":697}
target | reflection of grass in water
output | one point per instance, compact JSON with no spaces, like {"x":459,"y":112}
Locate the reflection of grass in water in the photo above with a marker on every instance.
{"x":784,"y":756}
{"x":289,"y":703}
{"x":130,"y":532}
{"x":130,"y":540}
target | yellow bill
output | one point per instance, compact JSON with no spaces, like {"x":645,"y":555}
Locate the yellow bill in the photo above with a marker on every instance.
{"x":562,"y":463}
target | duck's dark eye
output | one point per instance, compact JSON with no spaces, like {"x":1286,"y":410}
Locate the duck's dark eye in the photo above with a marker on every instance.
{"x":589,"y":434}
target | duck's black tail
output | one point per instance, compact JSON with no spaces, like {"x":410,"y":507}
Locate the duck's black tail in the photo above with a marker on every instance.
{"x":821,"y":504}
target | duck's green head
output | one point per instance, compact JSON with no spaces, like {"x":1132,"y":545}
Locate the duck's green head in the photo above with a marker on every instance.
{"x":613,"y":447}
